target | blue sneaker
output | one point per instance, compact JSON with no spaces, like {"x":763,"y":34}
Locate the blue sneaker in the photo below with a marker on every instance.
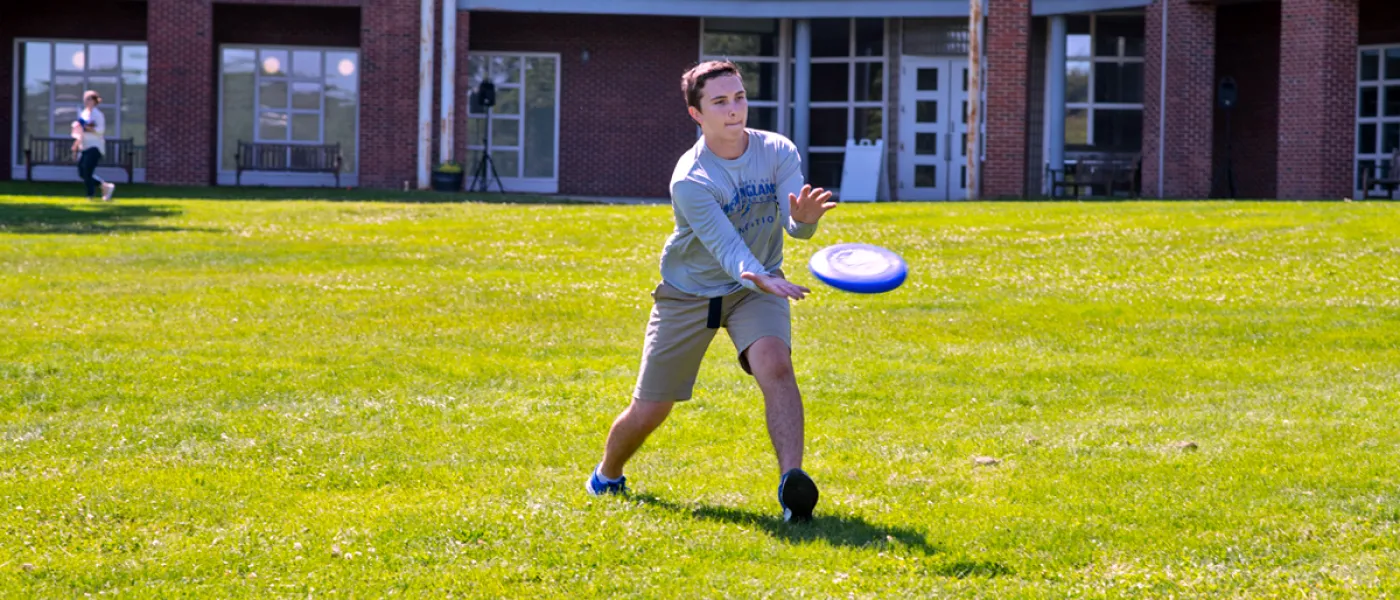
{"x":797,"y":494}
{"x":597,"y":487}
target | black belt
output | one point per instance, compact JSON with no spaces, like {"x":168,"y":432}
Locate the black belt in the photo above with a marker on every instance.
{"x":716,"y":308}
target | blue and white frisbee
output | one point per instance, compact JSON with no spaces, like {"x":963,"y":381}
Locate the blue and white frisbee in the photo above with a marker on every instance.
{"x":859,"y":268}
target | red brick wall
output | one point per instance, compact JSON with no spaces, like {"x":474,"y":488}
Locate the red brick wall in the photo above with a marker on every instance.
{"x":1190,"y":106}
{"x":1379,"y":22}
{"x":1248,"y":39}
{"x":287,"y":25}
{"x":623,"y":122}
{"x":120,"y":21}
{"x":180,"y":101}
{"x":1008,"y":98}
{"x":125,"y":21}
{"x":389,"y":39}
{"x":1317,"y":112}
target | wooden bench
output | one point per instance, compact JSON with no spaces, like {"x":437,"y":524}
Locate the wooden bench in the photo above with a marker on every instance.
{"x":1110,"y":173}
{"x":1385,"y":175}
{"x":120,"y":153}
{"x":288,"y":158}
{"x":1067,"y":179}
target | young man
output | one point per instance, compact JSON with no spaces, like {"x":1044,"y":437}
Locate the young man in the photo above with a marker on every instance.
{"x":734,"y":194}
{"x":89,"y":130}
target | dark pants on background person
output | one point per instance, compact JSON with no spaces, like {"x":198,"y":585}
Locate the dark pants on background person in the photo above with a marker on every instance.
{"x":87,"y":166}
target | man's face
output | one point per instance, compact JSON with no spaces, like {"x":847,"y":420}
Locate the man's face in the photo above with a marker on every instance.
{"x":724,"y":107}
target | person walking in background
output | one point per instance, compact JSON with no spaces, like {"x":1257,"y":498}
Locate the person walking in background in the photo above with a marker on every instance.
{"x":90,"y":143}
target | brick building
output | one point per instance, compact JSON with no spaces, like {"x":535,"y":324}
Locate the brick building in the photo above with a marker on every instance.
{"x":589,"y":102}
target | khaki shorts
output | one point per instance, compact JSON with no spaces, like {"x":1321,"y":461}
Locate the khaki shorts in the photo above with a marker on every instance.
{"x":680,"y":332}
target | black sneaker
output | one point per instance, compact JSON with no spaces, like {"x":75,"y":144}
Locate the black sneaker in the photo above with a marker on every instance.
{"x":797,"y":493}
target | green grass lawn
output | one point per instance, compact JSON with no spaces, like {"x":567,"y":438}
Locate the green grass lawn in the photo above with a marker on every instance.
{"x":235,"y":398}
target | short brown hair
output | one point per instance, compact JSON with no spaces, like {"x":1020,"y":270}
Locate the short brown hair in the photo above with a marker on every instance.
{"x":694,"y":79}
{"x":92,"y":95}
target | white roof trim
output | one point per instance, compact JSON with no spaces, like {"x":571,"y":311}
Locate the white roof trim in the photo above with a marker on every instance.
{"x":797,"y":9}
{"x":1042,"y":8}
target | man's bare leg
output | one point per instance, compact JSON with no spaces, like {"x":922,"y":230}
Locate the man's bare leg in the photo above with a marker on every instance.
{"x":629,"y":431}
{"x":770,"y":359}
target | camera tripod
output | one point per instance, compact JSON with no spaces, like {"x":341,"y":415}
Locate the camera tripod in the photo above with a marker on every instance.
{"x":486,"y":168}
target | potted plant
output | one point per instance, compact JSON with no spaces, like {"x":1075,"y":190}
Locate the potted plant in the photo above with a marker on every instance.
{"x":447,"y":177}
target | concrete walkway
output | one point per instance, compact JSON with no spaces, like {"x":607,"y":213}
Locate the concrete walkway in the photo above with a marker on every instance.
{"x":613,"y":200}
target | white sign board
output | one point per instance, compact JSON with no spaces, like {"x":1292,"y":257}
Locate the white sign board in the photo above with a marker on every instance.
{"x":863,"y":171}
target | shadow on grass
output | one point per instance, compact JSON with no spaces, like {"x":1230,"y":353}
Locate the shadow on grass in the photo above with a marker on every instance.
{"x":274,"y":194}
{"x":841,"y":531}
{"x":94,"y":219}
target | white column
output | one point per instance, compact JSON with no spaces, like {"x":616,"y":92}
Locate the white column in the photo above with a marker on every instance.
{"x":802,"y":93}
{"x":784,"y":69}
{"x":425,"y":90}
{"x":449,"y":75}
{"x":1162,"y":106}
{"x":1055,"y":95}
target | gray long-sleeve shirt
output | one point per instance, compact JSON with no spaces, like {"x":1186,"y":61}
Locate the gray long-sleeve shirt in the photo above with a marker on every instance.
{"x":731,"y":214}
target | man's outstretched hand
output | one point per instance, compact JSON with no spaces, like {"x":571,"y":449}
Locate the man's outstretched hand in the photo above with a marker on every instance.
{"x":809,"y":207}
{"x":777,"y":286}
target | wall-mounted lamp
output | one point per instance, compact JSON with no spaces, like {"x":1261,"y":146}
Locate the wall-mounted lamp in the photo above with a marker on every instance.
{"x":585,"y":55}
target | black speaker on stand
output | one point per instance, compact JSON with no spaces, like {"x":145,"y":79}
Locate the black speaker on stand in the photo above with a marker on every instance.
{"x":1227,"y":96}
{"x":485,"y":98}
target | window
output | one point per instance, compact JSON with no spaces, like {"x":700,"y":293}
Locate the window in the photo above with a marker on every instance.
{"x":288,"y":95}
{"x":847,"y":88}
{"x":522,"y":126}
{"x":847,"y":92}
{"x":753,"y":44}
{"x":1378,"y":107}
{"x":1104,"y":82}
{"x":934,"y":37}
{"x":54,"y":74}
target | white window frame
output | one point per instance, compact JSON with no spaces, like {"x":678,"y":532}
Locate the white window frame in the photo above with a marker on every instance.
{"x":539,"y":185}
{"x":787,"y":62}
{"x":783,"y":60}
{"x":291,"y":81}
{"x":17,"y":89}
{"x":1092,"y":105}
{"x":227,"y":177}
{"x":1380,"y":84}
{"x":850,"y":103}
